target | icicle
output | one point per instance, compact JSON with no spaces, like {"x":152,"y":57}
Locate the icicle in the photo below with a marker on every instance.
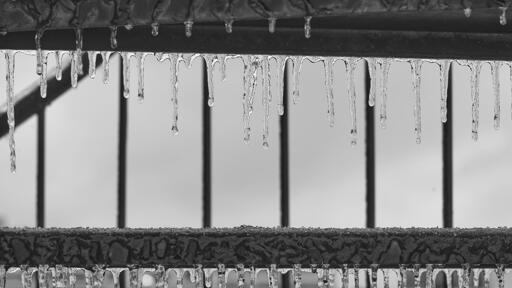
{"x":374,"y":268}
{"x":476,"y":278}
{"x":140,"y":68}
{"x":72,"y":277}
{"x":229,"y":25}
{"x":329,"y":79}
{"x":115,"y":276}
{"x":351,"y":66}
{"x":126,"y":74}
{"x":179,"y":278}
{"x":280,"y":65}
{"x":135,"y":277}
{"x":326,"y":276}
{"x":106,"y":66}
{"x":475,"y":67}
{"x":266,"y":99}
{"x":3,"y":277}
{"x":240,"y":271}
{"x":272,"y":25}
{"x":297,"y":66}
{"x":466,"y":272}
{"x":383,"y":66}
{"x":356,"y":276}
{"x":417,"y":275}
{"x":255,"y":64}
{"x":444,"y":72}
{"x":449,"y":278}
{"x":88,"y":279}
{"x":221,"y":60}
{"x":500,"y":274}
{"x":416,"y":83}
{"x":344,"y":276}
{"x":486,"y":278}
{"x":208,"y":278}
{"x":372,"y":66}
{"x":247,"y":62}
{"x":385,"y":272}
{"x":252,"y":277}
{"x":97,"y":276}
{"x":173,"y":58}
{"x":58,"y":65}
{"x":503,"y":16}
{"x":161,"y":277}
{"x":9,"y":76}
{"x":221,"y":275}
{"x":307,"y":27}
{"x":297,"y":275}
{"x":26,"y":276}
{"x":41,"y":276}
{"x":113,"y":37}
{"x":210,"y":60}
{"x":43,"y":78}
{"x":74,"y":71}
{"x":467,"y":12}
{"x":199,"y":278}
{"x":272,"y":276}
{"x":402,"y":276}
{"x":92,"y":63}
{"x":39,"y":52}
{"x":60,"y":276}
{"x":428,"y":276}
{"x":154,"y":29}
{"x":319,"y":277}
{"x":188,"y":27}
{"x":495,"y":72}
{"x":78,"y":52}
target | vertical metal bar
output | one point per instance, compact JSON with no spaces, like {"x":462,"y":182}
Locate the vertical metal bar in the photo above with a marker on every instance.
{"x":41,"y":150}
{"x":121,"y":161}
{"x":370,"y":155}
{"x":284,"y":167}
{"x":207,"y":151}
{"x":447,"y":138}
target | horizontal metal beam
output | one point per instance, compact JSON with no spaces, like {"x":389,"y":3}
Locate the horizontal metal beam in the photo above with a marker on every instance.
{"x":25,"y":15}
{"x":29,"y":101}
{"x":287,"y":41}
{"x":259,"y":247}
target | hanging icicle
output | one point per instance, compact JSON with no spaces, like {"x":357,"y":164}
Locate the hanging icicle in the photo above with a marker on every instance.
{"x":297,"y":275}
{"x":126,"y":74}
{"x":503,"y":15}
{"x":58,"y":65}
{"x":383,"y":66}
{"x":280,"y":65}
{"x":210,"y":61}
{"x":221,"y":60}
{"x":91,"y":55}
{"x":106,"y":66}
{"x":43,"y":78}
{"x":173,"y":59}
{"x":329,"y":89}
{"x":113,"y":37}
{"x":266,"y":99}
{"x":188,"y":27}
{"x":372,"y":69}
{"x":307,"y":27}
{"x":416,"y":84}
{"x":475,"y":67}
{"x":154,"y":29}
{"x":140,"y":70}
{"x":161,"y":277}
{"x":272,"y":25}
{"x":78,"y":51}
{"x":374,"y":268}
{"x":500,"y":274}
{"x":495,"y":73}
{"x":74,"y":71}
{"x":350,"y":66}
{"x":135,"y":277}
{"x":229,"y":25}
{"x":444,"y":72}
{"x":221,"y":275}
{"x":9,"y":76}
{"x":39,"y":51}
{"x":297,"y":66}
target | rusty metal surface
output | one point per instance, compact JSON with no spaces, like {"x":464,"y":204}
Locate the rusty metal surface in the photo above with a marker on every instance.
{"x":23,"y":15}
{"x":255,"y":246}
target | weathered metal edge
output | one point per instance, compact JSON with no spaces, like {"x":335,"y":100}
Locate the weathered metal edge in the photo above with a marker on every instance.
{"x":484,"y":247}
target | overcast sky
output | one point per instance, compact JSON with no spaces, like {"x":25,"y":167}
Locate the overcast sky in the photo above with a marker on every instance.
{"x":327,"y":174}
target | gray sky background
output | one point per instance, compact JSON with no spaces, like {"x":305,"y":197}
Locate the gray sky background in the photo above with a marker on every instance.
{"x":327,"y":174}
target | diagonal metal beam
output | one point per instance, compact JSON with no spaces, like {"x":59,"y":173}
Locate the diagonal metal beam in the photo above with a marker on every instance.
{"x":29,"y":101}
